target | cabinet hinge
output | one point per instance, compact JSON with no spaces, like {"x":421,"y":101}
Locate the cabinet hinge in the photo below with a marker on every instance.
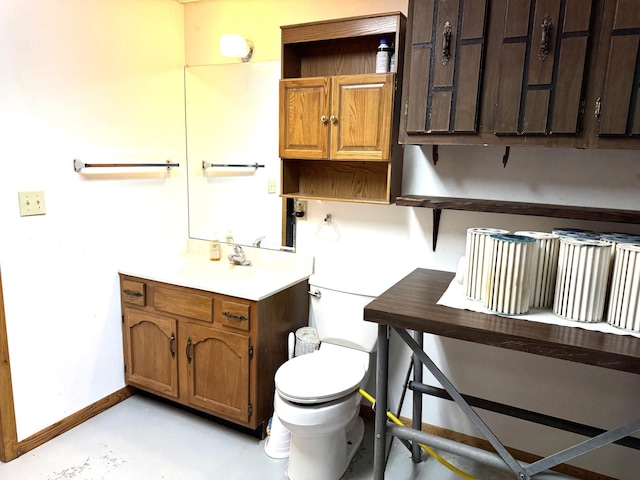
{"x":598,"y":107}
{"x":581,"y":109}
{"x":125,"y":368}
{"x":406,"y":108}
{"x":250,"y":351}
{"x":123,"y":318}
{"x":250,"y":409}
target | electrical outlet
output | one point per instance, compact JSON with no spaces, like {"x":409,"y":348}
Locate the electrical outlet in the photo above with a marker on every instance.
{"x":272,"y":186}
{"x":31,"y":203}
{"x":300,"y":209}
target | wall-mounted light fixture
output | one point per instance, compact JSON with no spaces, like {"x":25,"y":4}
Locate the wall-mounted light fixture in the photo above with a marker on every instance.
{"x":233,"y":45}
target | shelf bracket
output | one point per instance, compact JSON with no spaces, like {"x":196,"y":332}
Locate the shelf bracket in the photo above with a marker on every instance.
{"x":434,"y":154}
{"x":436,"y":227}
{"x":505,"y":157}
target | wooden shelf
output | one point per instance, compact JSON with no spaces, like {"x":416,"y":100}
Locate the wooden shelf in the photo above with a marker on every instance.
{"x":516,"y":208}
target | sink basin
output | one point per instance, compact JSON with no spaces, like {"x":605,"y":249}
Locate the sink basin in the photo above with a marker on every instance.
{"x":217,"y":271}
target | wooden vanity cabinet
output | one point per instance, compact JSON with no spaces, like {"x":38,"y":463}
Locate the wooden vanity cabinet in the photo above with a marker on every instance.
{"x":211,"y":352}
{"x":338,"y":118}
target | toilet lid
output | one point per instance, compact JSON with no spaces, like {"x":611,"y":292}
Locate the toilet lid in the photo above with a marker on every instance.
{"x":315,"y":378}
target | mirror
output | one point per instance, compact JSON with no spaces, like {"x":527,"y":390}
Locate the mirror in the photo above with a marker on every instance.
{"x":232,"y":124}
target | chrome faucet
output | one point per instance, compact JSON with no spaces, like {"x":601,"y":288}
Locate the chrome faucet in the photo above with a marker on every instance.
{"x":257,"y":242}
{"x":238,"y":257}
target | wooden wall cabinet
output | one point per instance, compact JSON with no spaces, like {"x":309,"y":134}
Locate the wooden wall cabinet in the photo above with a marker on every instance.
{"x":542,"y":67}
{"x":617,"y":83}
{"x":338,"y":118}
{"x":546,"y":72}
{"x":446,"y":47}
{"x":210,"y":352}
{"x":347,"y":117}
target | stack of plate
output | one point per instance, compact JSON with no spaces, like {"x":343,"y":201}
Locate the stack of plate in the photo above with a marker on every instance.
{"x":581,"y":284}
{"x":476,"y":255}
{"x":544,"y":269}
{"x":624,"y":300}
{"x":509,"y":273}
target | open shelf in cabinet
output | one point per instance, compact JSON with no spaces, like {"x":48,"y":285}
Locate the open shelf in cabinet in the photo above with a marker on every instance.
{"x":339,"y":47}
{"x":357,"y":181}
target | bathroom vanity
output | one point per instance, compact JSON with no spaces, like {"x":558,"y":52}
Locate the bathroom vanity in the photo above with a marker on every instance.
{"x":209,"y":335}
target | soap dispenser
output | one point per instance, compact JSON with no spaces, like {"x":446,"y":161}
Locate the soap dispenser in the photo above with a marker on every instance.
{"x":214,"y":248}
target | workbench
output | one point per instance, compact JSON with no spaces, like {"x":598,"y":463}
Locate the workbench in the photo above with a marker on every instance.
{"x":409,"y":308}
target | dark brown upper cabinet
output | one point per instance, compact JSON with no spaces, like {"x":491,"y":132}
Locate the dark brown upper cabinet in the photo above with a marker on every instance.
{"x":446,"y":52}
{"x":552,"y":73}
{"x":618,"y":102}
{"x":543,"y":64}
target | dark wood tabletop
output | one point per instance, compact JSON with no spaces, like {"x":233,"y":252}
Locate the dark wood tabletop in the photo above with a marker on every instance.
{"x":411,"y":304}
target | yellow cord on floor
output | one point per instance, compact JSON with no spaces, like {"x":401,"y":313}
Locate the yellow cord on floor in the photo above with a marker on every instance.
{"x":427,"y":449}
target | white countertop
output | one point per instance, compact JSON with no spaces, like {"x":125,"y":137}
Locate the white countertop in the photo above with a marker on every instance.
{"x":271,"y":272}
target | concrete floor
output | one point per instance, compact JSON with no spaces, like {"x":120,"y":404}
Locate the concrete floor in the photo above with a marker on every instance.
{"x":141,"y":438}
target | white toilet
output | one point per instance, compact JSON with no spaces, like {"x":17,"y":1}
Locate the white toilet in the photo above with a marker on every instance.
{"x":317,"y":397}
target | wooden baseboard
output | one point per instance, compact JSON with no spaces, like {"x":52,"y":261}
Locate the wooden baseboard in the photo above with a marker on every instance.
{"x":8,"y":433}
{"x":74,"y":420}
{"x":368,"y":413}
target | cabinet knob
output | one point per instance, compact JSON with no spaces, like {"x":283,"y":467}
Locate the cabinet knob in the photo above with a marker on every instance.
{"x":324,"y":119}
{"x":333,"y":119}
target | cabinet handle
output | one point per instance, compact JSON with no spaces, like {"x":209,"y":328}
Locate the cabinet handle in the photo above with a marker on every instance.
{"x":547,"y":26}
{"x":188,"y":350}
{"x":132,"y":293}
{"x":324,"y":119}
{"x":231,"y":316}
{"x":446,"y":44}
{"x":333,"y":119}
{"x":172,"y":342}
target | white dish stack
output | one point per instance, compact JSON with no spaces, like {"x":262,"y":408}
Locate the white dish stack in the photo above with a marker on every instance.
{"x":476,"y":255}
{"x":509,"y":279}
{"x":545,"y":269}
{"x":624,"y":300}
{"x":581,"y":284}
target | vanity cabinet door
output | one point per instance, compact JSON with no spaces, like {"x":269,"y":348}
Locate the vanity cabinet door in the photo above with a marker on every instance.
{"x":150,"y":351}
{"x":445,"y":57}
{"x":304,"y":118}
{"x":620,"y":97}
{"x":217,"y":364}
{"x":542,"y":69}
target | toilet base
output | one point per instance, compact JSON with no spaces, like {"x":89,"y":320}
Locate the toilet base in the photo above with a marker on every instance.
{"x":325,"y":457}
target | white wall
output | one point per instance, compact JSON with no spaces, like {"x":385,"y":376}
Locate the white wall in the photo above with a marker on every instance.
{"x":100,"y":81}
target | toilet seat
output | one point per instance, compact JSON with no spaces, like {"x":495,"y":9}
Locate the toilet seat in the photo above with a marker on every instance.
{"x":317,"y":377}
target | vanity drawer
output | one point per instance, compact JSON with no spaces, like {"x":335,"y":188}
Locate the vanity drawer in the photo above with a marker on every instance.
{"x":233,"y":314}
{"x":182,"y":302}
{"x":133,"y":292}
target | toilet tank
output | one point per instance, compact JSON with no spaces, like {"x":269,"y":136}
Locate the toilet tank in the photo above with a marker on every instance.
{"x":337,"y":309}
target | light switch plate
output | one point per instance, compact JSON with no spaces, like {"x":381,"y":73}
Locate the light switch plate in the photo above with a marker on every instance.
{"x":31,"y":203}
